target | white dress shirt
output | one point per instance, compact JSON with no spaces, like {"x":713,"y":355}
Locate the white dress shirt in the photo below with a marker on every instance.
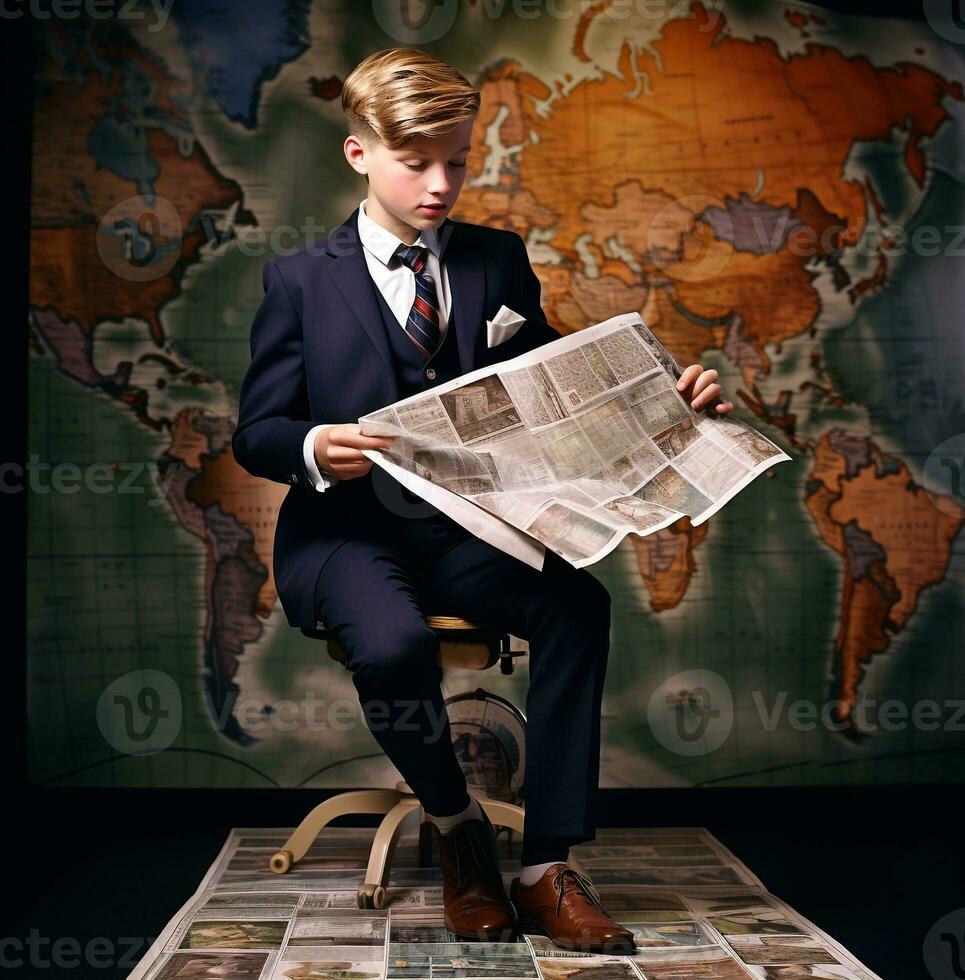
{"x":396,"y":282}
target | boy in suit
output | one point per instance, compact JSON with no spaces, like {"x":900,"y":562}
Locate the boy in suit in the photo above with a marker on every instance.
{"x":393,"y":303}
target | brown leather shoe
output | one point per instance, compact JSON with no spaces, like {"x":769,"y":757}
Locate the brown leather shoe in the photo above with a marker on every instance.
{"x":565,"y":906}
{"x":473,"y":893}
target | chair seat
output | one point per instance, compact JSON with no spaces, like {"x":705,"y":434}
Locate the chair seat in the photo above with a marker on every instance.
{"x":472,"y":646}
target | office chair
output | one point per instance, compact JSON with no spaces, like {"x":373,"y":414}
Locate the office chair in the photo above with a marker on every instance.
{"x":461,"y":644}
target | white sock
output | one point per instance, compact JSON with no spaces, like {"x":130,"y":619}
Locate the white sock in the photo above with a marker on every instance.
{"x":445,"y":824}
{"x":532,"y":873}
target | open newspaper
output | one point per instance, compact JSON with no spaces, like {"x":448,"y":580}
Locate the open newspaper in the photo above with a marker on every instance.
{"x":577,"y":443}
{"x":694,"y":908}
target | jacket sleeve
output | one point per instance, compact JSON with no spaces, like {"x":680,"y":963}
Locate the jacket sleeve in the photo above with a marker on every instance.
{"x":525,"y":300}
{"x":273,"y":414}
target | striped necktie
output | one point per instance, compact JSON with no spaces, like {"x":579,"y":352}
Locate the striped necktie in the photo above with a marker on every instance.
{"x":422,"y":325}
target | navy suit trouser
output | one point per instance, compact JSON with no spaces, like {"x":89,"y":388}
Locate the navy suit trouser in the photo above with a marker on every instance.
{"x":374,"y":593}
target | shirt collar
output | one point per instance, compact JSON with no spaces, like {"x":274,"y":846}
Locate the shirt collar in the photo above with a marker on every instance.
{"x":382,"y":243}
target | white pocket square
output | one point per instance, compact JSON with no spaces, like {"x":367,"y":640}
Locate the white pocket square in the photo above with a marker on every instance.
{"x":502,"y":326}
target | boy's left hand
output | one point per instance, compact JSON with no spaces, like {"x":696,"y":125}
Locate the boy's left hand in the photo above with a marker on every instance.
{"x":699,"y":388}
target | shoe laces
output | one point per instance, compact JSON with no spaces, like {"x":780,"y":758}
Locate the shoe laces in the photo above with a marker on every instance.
{"x":582,"y":883}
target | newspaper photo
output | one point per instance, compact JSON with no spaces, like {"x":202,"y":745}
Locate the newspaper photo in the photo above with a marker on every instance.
{"x":576,"y":444}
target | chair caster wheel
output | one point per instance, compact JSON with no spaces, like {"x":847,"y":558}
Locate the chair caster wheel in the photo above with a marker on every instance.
{"x":281,"y":862}
{"x":371,"y":897}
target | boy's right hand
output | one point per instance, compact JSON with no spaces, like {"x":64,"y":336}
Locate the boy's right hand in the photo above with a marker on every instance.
{"x":338,"y":450}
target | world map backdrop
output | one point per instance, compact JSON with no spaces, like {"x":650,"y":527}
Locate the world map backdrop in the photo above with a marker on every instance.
{"x":778,"y":190}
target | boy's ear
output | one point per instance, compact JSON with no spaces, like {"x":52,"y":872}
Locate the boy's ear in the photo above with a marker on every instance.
{"x":355,"y":154}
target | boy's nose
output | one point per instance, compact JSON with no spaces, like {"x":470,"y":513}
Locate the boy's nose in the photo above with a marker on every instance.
{"x":437,"y":183}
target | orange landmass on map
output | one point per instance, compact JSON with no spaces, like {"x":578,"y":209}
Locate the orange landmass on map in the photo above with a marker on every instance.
{"x":905,"y":546}
{"x":621,"y":168}
{"x":72,"y":191}
{"x":252,"y":502}
{"x":68,"y":186}
{"x":666,"y":561}
{"x":901,"y":517}
{"x":187,"y":444}
{"x":73,"y":289}
{"x":772,"y":290}
{"x":718,"y":116}
{"x":68,"y":274}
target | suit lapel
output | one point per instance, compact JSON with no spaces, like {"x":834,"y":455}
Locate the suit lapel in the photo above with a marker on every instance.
{"x":351,"y":275}
{"x":467,"y":286}
{"x":467,"y":289}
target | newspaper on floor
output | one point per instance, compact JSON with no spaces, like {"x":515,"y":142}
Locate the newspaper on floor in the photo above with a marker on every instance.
{"x":577,"y":443}
{"x":694,"y":908}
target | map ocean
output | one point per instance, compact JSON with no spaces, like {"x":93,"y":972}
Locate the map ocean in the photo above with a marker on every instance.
{"x":750,"y":610}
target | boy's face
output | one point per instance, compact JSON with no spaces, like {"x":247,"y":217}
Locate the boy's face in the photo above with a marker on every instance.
{"x":402,"y":182}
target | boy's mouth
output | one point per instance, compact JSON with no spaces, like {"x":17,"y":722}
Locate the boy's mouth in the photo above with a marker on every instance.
{"x":432,"y":208}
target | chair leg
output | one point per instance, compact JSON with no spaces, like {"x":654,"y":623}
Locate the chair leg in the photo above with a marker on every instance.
{"x":386,"y":837}
{"x":359,"y":801}
{"x":503,"y":814}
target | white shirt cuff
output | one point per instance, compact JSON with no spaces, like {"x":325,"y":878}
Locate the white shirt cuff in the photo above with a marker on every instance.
{"x":321,"y":481}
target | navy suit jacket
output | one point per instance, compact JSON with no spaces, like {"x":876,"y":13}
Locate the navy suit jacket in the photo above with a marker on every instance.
{"x":319,"y":353}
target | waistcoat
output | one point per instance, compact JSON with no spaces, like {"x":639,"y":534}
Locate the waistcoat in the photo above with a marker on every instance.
{"x":413,"y":372}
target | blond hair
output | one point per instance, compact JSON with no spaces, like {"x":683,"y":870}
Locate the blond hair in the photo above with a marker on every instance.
{"x":398,"y":93}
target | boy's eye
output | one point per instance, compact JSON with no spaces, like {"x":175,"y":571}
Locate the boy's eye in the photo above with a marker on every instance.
{"x":421,"y":166}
